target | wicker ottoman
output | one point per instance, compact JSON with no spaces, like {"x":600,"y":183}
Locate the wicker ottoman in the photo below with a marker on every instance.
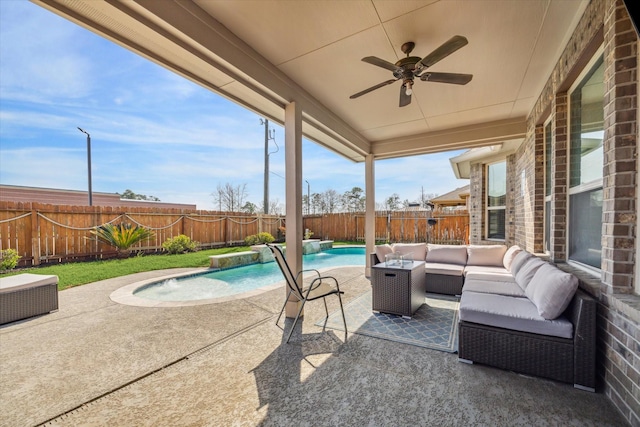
{"x":398,"y":290}
{"x":27,"y":295}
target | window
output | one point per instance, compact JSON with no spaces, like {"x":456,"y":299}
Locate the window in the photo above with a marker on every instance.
{"x":547,"y":187}
{"x":496,"y":200}
{"x":585,"y":168}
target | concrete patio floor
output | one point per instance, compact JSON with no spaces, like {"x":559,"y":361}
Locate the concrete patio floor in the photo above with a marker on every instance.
{"x":97,"y":362}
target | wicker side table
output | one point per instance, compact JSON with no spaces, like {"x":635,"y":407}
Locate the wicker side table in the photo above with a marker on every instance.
{"x":398,"y":289}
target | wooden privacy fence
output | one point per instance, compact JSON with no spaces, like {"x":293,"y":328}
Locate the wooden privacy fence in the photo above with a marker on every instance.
{"x":43,"y":233}
{"x":398,"y":226}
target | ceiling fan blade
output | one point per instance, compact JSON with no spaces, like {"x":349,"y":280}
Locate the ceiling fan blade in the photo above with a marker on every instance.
{"x":453,"y":78}
{"x":374,"y":60}
{"x":372,"y":88}
{"x":447,"y":48}
{"x":404,"y":98}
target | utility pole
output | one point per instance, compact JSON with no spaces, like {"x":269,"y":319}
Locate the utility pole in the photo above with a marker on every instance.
{"x":267,"y":137}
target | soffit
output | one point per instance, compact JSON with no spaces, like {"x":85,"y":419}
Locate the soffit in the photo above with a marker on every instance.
{"x":265,"y":53}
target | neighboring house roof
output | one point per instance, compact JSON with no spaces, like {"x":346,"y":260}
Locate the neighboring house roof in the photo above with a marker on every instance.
{"x":55,"y":196}
{"x":461,"y":164}
{"x":457,"y":197}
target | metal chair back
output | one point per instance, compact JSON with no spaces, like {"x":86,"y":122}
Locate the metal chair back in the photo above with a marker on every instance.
{"x":292,"y":283}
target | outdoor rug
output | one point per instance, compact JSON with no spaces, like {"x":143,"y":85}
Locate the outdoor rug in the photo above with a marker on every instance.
{"x":434,"y":325}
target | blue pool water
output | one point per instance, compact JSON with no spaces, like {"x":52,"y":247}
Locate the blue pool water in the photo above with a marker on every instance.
{"x":238,"y":280}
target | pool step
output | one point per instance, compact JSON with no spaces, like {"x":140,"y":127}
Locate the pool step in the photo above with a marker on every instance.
{"x":262,"y":254}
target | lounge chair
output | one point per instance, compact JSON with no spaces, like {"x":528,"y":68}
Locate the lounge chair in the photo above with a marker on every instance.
{"x":319,"y":288}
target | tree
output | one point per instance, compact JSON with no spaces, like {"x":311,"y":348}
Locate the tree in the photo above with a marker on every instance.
{"x":249,"y":208}
{"x":275,"y":208}
{"x":330,"y":201}
{"x":316,"y":203}
{"x":130,"y":195}
{"x":230,"y":198}
{"x":393,"y":202}
{"x":353,"y":200}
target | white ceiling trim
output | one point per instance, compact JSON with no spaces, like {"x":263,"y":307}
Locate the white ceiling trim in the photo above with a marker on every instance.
{"x":480,"y":135}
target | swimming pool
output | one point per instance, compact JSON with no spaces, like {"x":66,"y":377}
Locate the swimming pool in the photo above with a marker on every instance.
{"x":233,"y":281}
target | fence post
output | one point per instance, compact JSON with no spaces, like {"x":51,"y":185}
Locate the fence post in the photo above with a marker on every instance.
{"x":226,"y":231}
{"x":35,"y":238}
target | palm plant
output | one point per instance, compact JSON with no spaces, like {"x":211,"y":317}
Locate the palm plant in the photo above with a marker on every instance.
{"x":122,"y":236}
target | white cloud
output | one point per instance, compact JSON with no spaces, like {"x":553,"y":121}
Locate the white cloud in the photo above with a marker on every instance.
{"x":152,"y":131}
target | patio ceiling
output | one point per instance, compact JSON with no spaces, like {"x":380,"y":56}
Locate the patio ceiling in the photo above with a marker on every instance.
{"x":264,"y":54}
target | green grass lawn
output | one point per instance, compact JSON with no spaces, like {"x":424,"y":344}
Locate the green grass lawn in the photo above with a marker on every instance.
{"x":80,"y":273}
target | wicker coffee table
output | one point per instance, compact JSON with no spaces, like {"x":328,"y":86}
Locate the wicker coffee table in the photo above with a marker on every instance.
{"x":398,"y":289}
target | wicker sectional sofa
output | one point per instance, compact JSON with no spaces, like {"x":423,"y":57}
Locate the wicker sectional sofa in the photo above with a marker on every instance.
{"x":517,"y":311}
{"x":27,"y":295}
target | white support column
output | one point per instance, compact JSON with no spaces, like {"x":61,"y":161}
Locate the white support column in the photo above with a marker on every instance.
{"x":293,"y":193}
{"x":370,"y":210}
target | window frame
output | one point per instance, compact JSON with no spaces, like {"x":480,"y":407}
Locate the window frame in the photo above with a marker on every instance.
{"x":583,"y":187}
{"x":494,"y":208}
{"x":548,"y":172}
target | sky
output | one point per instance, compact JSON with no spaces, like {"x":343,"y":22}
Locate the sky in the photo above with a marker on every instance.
{"x":152,"y":131}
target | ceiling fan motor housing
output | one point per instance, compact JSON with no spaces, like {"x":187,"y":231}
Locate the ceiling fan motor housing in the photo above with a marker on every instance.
{"x":406,"y":67}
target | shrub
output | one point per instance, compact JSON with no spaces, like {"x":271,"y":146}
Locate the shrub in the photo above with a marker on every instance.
{"x":180,"y":244}
{"x":9,"y":259}
{"x":122,"y":236}
{"x":260,"y":238}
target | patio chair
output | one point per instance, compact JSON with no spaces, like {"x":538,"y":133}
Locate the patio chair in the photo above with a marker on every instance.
{"x":318,"y":288}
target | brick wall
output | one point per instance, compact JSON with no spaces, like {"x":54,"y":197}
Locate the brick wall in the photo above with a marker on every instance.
{"x":559,"y":174}
{"x":605,"y":23}
{"x":619,"y":316}
{"x":477,"y":203}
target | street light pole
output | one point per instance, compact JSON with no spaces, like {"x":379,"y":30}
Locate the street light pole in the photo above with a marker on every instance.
{"x":88,"y":163}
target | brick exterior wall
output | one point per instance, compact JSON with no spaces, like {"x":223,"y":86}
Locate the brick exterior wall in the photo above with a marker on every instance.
{"x":604,"y":23}
{"x":477,"y":203}
{"x":559,"y":174}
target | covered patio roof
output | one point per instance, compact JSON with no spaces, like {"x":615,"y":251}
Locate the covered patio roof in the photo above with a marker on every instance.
{"x":298,"y":63}
{"x":265,"y":54}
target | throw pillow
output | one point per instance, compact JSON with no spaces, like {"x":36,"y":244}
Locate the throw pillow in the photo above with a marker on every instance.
{"x":551,"y":290}
{"x":510,"y":255}
{"x":527,"y":271}
{"x":382,"y":250}
{"x":486,"y":255}
{"x":519,"y":260}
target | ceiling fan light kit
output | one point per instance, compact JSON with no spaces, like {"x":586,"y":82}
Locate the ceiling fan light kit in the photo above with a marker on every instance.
{"x":411,"y":67}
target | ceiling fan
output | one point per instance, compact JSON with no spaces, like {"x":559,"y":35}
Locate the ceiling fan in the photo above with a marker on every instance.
{"x":412,"y":67}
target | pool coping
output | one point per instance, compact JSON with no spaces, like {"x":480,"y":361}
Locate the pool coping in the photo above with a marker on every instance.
{"x":125,"y":295}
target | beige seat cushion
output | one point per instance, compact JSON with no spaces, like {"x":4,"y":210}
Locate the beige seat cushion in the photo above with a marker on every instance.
{"x":493,"y":287}
{"x":496,"y":276}
{"x":25,"y":281}
{"x":442,"y":268}
{"x":518,"y":314}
